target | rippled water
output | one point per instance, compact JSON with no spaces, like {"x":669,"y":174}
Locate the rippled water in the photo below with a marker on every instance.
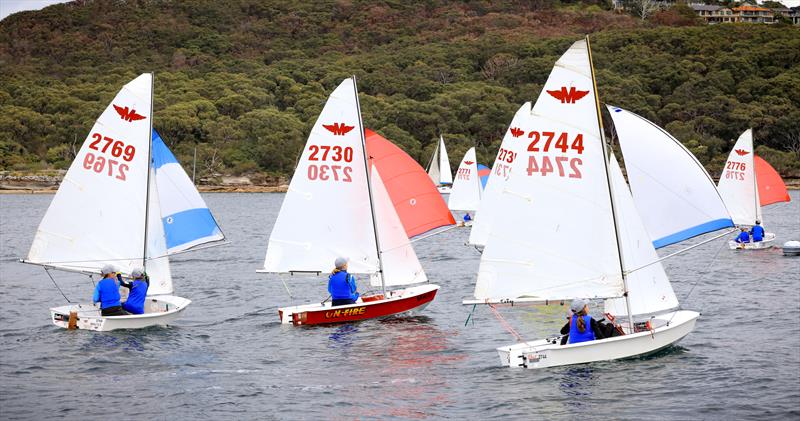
{"x":229,"y":357}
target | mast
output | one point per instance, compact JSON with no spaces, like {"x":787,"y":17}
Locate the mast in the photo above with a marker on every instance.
{"x":606,"y":156}
{"x":369,"y":188}
{"x":149,"y":164}
{"x":753,"y":169}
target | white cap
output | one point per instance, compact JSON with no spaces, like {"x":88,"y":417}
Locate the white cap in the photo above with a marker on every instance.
{"x":340,"y":262}
{"x":107,"y":269}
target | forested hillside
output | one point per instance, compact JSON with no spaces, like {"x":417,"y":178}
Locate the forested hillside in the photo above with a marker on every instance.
{"x":243,"y":80}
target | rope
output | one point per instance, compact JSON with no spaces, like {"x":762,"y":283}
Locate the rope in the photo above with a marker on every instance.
{"x":469,"y":316}
{"x":697,"y":281}
{"x":505,"y":323}
{"x":57,"y":287}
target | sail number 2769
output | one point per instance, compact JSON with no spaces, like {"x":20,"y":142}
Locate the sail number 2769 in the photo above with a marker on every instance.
{"x":562,"y":166}
{"x":339,"y":171}
{"x":100,"y":164}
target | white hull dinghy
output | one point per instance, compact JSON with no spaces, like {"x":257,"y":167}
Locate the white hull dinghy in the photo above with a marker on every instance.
{"x":310,"y":234}
{"x":439,"y":168}
{"x":566,"y":179}
{"x":125,"y":201}
{"x":748,"y":183}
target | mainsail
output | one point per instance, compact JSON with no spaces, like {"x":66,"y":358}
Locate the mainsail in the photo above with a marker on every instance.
{"x":466,"y":192}
{"x":513,"y":143}
{"x":439,"y":168}
{"x":677,"y":200}
{"x":737,"y":183}
{"x":558,"y":194}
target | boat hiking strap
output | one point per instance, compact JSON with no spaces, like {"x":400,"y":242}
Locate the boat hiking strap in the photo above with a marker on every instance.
{"x":505,"y":323}
{"x":56,"y":284}
{"x":699,"y":278}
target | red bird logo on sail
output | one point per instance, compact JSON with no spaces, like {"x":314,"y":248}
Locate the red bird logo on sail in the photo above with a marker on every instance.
{"x":742,"y":152}
{"x":128,"y":114}
{"x":338,"y":129}
{"x":517,"y":132}
{"x":468,"y":162}
{"x":568,"y":96}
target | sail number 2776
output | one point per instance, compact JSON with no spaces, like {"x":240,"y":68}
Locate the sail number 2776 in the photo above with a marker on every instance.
{"x":333,"y":172}
{"x":104,"y":165}
{"x":552,"y":142}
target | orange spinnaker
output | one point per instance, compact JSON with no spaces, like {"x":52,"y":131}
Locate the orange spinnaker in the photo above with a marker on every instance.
{"x":771,"y":188}
{"x":417,"y":202}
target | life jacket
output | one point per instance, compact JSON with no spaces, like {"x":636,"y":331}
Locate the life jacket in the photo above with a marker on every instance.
{"x":135,"y":302}
{"x":467,"y":218}
{"x":758,"y":233}
{"x":575,"y":335}
{"x":342,"y":286}
{"x":743,"y":238}
{"x":109,"y":292}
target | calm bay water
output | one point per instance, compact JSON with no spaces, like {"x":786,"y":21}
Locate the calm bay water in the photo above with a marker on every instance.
{"x":229,"y":357}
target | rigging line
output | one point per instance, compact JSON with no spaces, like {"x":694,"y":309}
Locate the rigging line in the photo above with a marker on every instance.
{"x":291,"y":297}
{"x":57,"y":287}
{"x":505,"y":323}
{"x":681,"y":251}
{"x":469,"y":316}
{"x":422,"y":237}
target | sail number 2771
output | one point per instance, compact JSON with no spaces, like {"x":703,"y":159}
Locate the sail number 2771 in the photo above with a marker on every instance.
{"x":104,"y":165}
{"x":334,"y":172}
{"x":552,"y":142}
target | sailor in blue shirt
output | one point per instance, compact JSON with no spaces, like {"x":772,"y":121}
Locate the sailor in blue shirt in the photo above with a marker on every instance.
{"x":744,"y":237}
{"x":342,"y":285}
{"x":757,"y":232}
{"x":467,"y":217}
{"x":106,"y":292}
{"x":138,"y":291}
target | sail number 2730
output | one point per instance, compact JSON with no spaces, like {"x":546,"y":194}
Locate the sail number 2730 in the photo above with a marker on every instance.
{"x":100,"y":164}
{"x":544,"y":144}
{"x":339,"y":171}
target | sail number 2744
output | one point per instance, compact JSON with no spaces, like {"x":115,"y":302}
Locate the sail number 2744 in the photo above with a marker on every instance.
{"x":338,"y":170}
{"x":104,"y":145}
{"x":550,"y":143}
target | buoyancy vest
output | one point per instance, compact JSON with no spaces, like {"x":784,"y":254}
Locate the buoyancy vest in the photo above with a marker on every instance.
{"x":342,"y":286}
{"x":758,"y":233}
{"x":743,"y":238}
{"x":108,"y":291}
{"x":575,"y":335}
{"x":135,"y":302}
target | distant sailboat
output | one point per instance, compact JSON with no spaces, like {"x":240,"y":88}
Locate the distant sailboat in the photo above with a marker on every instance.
{"x":467,"y":190}
{"x":746,"y":184}
{"x":570,"y":185}
{"x":338,"y":205}
{"x":439,"y":168}
{"x":125,"y":201}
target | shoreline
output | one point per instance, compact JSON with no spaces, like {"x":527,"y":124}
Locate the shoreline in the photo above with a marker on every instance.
{"x":5,"y":189}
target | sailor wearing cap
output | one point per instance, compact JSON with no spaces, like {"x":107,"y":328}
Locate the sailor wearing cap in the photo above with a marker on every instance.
{"x":107,"y":293}
{"x":138,"y":291}
{"x":581,"y":327}
{"x":341,"y":284}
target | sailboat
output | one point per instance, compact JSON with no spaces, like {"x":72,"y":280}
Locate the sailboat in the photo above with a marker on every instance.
{"x":747,"y":183}
{"x":465,"y":195}
{"x":439,"y":168}
{"x":570,"y":184}
{"x":124,"y":201}
{"x":338,"y":205}
{"x":513,"y":141}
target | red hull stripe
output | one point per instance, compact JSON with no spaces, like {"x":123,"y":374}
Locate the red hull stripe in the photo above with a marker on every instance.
{"x":363,"y":312}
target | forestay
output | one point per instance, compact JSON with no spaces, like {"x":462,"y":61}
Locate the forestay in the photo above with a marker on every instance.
{"x":97,"y":216}
{"x":674,"y":194}
{"x":186,"y":218}
{"x":417,"y":202}
{"x":326,"y":213}
{"x":466,"y":192}
{"x":400,"y":263}
{"x":513,"y":142}
{"x":649,"y":289}
{"x":558,"y":198}
{"x":737,"y":183}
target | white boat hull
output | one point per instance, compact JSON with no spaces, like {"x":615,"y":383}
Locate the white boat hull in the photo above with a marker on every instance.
{"x":765,"y":243}
{"x":548,"y":352}
{"x":159,"y":310}
{"x":444,"y":189}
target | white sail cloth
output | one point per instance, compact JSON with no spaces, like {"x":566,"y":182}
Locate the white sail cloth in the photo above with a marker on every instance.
{"x":97,"y":216}
{"x":674,"y":194}
{"x":557,"y":197}
{"x":466,"y":192}
{"x":326,"y":213}
{"x":513,"y":142}
{"x":649,"y":290}
{"x":737,"y":183}
{"x":439,"y":169}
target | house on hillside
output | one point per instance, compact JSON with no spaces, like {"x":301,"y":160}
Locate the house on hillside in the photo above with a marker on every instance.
{"x":753,"y":14}
{"x":714,"y":14}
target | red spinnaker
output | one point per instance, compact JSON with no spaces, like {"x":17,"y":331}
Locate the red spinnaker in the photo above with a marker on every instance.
{"x":771,"y":188}
{"x":417,"y":202}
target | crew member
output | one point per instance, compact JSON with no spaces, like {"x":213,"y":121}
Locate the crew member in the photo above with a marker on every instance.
{"x":138,"y":291}
{"x":342,"y":285}
{"x":757,"y":232}
{"x":581,"y":326}
{"x":467,"y":217}
{"x":744,"y":236}
{"x":107,"y":293}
